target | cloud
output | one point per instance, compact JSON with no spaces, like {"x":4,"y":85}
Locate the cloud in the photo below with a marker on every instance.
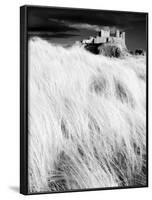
{"x":87,"y":26}
{"x":45,"y":34}
{"x":59,"y":20}
{"x":36,"y":23}
{"x":76,"y":25}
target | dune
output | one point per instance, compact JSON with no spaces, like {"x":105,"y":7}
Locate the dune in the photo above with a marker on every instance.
{"x":87,"y":119}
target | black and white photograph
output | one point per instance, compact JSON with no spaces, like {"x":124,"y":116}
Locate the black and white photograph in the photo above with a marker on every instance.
{"x":87,"y":99}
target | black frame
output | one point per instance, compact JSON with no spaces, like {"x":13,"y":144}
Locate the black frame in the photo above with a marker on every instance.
{"x":24,"y":103}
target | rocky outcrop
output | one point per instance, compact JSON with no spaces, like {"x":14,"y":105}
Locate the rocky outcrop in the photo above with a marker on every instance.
{"x":111,"y":50}
{"x":108,"y":49}
{"x":107,"y":44}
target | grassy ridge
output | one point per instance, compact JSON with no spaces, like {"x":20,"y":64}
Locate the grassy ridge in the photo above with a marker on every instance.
{"x":86,"y":119}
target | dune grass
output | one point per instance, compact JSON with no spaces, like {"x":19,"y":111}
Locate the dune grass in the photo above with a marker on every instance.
{"x":86,"y":119}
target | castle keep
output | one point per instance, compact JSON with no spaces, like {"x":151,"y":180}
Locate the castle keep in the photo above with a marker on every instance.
{"x":105,"y":36}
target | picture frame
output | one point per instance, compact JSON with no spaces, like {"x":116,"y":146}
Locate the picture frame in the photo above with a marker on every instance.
{"x":44,"y":25}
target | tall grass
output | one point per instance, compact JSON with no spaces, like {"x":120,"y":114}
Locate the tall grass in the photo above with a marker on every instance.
{"x":86,"y":119}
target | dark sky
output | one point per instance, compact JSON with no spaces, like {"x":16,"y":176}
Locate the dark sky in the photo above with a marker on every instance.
{"x":65,"y":26}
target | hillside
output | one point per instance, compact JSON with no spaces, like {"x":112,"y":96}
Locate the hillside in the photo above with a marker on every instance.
{"x":86,"y":119}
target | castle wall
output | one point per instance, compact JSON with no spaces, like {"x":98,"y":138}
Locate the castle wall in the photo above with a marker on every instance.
{"x":105,"y":33}
{"x":88,"y":41}
{"x":98,"y":40}
{"x":104,"y":37}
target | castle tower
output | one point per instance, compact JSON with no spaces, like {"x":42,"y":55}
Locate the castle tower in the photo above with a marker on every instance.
{"x":102,"y":33}
{"x":123,"y":36}
{"x":117,"y":33}
{"x":108,"y":33}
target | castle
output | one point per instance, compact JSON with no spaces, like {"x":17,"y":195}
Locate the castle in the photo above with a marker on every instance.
{"x":105,"y":36}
